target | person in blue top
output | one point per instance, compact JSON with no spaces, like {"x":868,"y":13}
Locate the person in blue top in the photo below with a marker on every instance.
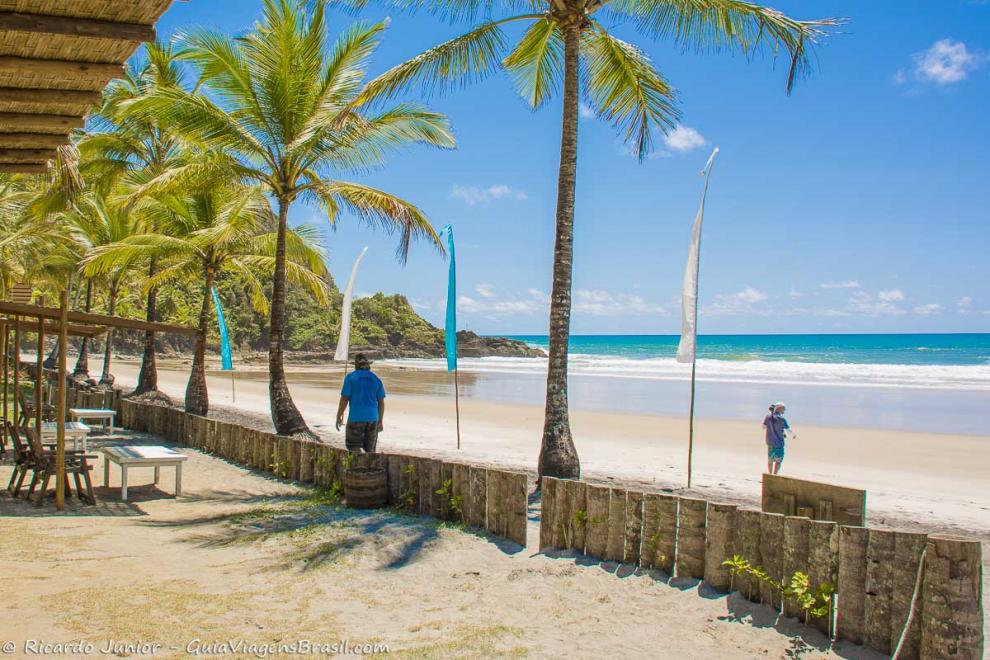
{"x":777,"y":427}
{"x":364,"y":392}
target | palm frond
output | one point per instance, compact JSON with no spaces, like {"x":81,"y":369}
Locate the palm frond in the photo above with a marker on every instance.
{"x":624,"y":88}
{"x":536,"y":63}
{"x":714,"y":25}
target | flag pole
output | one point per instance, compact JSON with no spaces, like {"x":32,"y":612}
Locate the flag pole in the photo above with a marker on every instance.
{"x":696,"y":256}
{"x":457,"y":408}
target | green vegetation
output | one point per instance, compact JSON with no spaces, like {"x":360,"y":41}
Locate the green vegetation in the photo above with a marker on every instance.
{"x":816,"y":602}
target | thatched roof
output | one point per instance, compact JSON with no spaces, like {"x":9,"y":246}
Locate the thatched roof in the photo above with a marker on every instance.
{"x":56,"y":56}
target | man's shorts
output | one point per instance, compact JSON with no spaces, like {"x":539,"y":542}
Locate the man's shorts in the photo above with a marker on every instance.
{"x":775,"y":454}
{"x":361,"y":435}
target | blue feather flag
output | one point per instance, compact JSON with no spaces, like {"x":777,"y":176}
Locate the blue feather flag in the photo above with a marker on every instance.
{"x":228,"y":363}
{"x":450,"y":327}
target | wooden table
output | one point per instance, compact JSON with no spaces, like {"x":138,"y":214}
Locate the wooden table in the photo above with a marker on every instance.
{"x":105,"y":415}
{"x":142,"y":456}
{"x":75,"y":431}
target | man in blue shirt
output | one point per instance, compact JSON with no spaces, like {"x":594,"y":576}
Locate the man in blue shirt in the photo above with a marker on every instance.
{"x":365,"y":394}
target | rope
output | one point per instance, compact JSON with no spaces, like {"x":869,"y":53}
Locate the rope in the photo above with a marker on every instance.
{"x":914,"y":602}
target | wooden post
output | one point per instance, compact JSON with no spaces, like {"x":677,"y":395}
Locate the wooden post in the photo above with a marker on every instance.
{"x":616,"y":544}
{"x":691,"y":519}
{"x":719,"y":544}
{"x":596,"y":536}
{"x":748,"y":547}
{"x":908,"y":547}
{"x":951,"y":599}
{"x":40,"y":377}
{"x":577,"y":497}
{"x":795,"y":556}
{"x":823,"y":563}
{"x":879,"y":588}
{"x":17,"y":367}
{"x":6,"y":380}
{"x":850,"y":623}
{"x":634,"y":527}
{"x":771,"y":543}
{"x":63,"y":340}
{"x":476,"y":511}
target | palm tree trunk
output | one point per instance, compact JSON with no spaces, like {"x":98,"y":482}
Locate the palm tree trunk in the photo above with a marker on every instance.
{"x":82,"y":362}
{"x":148,"y":375}
{"x":558,"y":456}
{"x":197,"y":398}
{"x":285,"y":415}
{"x":108,"y":342}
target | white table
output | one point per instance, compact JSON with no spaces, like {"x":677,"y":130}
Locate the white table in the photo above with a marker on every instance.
{"x":75,"y":431}
{"x":104,"y":415}
{"x":142,"y":456}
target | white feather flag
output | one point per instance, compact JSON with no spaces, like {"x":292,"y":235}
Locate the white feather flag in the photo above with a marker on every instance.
{"x":344,"y":341}
{"x":686,"y":349}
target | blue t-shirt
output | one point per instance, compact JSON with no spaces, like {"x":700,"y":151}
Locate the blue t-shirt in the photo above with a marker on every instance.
{"x":363,"y":389}
{"x":776,"y":429}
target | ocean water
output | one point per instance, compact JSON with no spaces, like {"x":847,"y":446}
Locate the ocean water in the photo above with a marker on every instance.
{"x":919,"y":382}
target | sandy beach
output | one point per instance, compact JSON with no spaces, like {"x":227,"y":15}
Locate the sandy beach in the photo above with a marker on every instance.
{"x":923,"y":481}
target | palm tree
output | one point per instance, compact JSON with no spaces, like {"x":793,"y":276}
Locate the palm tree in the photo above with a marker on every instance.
{"x":121,"y":145}
{"x":96,"y":219}
{"x":226,"y":229}
{"x":568,"y":45}
{"x":289,"y":110}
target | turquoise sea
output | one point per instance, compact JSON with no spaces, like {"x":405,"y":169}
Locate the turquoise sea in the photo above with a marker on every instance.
{"x":893,"y":349}
{"x":919,"y":382}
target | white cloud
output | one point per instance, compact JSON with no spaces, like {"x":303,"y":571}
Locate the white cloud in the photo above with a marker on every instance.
{"x":891,"y":295}
{"x":585,"y":112}
{"x":740,"y":302}
{"x":964,"y":305}
{"x":485,"y":290}
{"x":863,"y":303}
{"x":946,"y":63}
{"x":928,"y":310}
{"x":472,"y":195}
{"x":684,"y":139}
{"x":598,"y":302}
{"x":795,"y":294}
{"x":847,"y":284}
{"x":494,"y":307}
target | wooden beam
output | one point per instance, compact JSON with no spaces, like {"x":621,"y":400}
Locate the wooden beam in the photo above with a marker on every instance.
{"x":63,"y":349}
{"x":28,"y":95}
{"x":75,"y":26}
{"x":41,"y":123}
{"x":74,"y":330}
{"x":68,"y":69}
{"x":23,"y":168}
{"x":36,"y":311}
{"x":26,"y":155}
{"x":32,"y":140}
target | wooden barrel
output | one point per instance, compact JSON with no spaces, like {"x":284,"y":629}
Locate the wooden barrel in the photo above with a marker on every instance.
{"x":365,"y":487}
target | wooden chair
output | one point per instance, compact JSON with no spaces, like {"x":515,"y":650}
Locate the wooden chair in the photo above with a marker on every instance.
{"x":27,"y":409}
{"x":76,"y":464}
{"x":23,"y":460}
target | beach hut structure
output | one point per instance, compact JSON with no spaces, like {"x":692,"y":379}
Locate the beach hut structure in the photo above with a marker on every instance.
{"x":18,"y":317}
{"x":56,"y":56}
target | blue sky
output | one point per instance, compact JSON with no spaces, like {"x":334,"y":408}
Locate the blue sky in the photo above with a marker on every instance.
{"x":857,"y":204}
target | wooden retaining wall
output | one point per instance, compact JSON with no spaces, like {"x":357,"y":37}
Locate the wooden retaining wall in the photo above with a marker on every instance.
{"x":875,"y":571}
{"x":486,"y":498}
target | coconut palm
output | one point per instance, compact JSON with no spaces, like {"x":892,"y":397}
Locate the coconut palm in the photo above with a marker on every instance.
{"x":289,"y":111}
{"x":120,"y":145}
{"x":96,"y":219}
{"x":567,"y":45}
{"x":227,"y":229}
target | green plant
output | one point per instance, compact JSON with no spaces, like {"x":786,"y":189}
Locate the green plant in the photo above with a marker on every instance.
{"x":581,"y":519}
{"x":815,"y":602}
{"x":279,"y":469}
{"x":407,"y":498}
{"x":348,"y":460}
{"x":454,"y":502}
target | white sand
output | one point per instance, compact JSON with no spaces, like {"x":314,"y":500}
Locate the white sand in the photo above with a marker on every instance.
{"x":931,"y":482}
